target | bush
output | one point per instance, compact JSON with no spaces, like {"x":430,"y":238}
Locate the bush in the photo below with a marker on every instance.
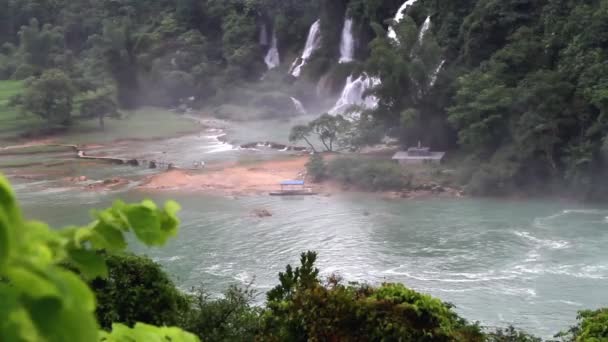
{"x":137,"y":290}
{"x":511,"y":335}
{"x":231,"y":318}
{"x":316,"y":167}
{"x":23,"y":71}
{"x":301,"y":308}
{"x":368,"y":174}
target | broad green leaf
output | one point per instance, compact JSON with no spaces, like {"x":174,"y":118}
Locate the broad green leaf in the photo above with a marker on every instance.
{"x":31,"y":282}
{"x":15,"y":323}
{"x":104,"y":236}
{"x":145,"y":223}
{"x":10,"y":218}
{"x":89,"y":263}
{"x":146,"y":333}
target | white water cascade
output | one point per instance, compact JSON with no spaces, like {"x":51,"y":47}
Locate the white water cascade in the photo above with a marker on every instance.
{"x":436,"y":74}
{"x":425,"y":28}
{"x":298,"y":106}
{"x":398,"y":17}
{"x":347,"y":43}
{"x":272,"y":58}
{"x":313,"y":42}
{"x":353,"y":94}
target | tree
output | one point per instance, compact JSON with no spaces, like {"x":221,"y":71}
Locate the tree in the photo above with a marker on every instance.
{"x":99,"y":104}
{"x":136,"y":289}
{"x":302,"y":308}
{"x":230,"y":318}
{"x":301,"y":132}
{"x":591,"y":327}
{"x":330,"y":130}
{"x":42,"y":299}
{"x":51,"y":97}
{"x":316,"y":167}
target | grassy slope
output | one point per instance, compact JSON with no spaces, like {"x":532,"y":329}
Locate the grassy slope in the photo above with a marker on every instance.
{"x":13,"y":123}
{"x":145,"y":123}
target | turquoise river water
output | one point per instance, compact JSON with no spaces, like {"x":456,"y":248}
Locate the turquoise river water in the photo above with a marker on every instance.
{"x":529,"y":263}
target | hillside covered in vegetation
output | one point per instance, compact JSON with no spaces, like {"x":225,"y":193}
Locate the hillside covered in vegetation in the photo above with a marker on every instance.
{"x":517,"y":88}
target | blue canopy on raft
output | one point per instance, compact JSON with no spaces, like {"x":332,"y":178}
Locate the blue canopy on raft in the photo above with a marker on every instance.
{"x":292,"y":182}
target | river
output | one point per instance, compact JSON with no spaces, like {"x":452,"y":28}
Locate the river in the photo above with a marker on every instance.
{"x":530,"y":263}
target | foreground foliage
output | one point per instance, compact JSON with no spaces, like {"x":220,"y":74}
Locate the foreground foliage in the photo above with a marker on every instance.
{"x":45,"y":301}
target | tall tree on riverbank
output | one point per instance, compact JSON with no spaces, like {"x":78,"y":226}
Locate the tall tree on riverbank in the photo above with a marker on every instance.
{"x":50,"y":97}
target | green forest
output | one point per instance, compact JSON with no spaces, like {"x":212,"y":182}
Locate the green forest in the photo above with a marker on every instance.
{"x":520,"y":97}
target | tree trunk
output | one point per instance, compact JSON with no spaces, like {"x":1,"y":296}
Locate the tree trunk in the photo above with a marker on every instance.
{"x":311,"y":145}
{"x":325,"y":144}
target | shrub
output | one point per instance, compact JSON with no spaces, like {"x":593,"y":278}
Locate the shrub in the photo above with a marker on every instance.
{"x":231,"y":318}
{"x":301,"y":308}
{"x":316,"y":167}
{"x":369,"y":174}
{"x":23,"y":71}
{"x":137,"y":290}
{"x":511,"y":335}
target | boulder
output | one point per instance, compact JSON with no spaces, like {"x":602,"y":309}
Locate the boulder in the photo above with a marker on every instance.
{"x":262,"y":213}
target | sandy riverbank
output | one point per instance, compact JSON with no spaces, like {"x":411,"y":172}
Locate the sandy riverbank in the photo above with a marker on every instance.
{"x":264,"y":177}
{"x":258,"y":178}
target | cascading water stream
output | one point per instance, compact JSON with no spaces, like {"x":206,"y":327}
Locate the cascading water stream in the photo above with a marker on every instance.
{"x":313,"y":42}
{"x":347,"y":43}
{"x":298,"y":106}
{"x":398,"y":17}
{"x":354,"y":94}
{"x":436,"y":74}
{"x":425,"y":28}
{"x":272,"y":58}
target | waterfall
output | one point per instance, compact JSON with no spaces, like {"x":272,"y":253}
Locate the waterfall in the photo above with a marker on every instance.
{"x":353,"y":94}
{"x":272,"y":58}
{"x":313,"y":42}
{"x":298,"y":106}
{"x":425,"y":28}
{"x":263,"y":36}
{"x":398,"y":17}
{"x":347,"y":43}
{"x":436,"y":74}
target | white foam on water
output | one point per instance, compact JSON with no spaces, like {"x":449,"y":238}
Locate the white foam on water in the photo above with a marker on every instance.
{"x":585,"y":211}
{"x":452,"y":277}
{"x":575,"y":271}
{"x":168,"y":259}
{"x":244,"y":277}
{"x":547,"y":243}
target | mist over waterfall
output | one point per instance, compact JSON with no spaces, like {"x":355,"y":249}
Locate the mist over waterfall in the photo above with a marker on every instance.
{"x":313,"y":42}
{"x":425,"y":28}
{"x":298,"y":106}
{"x":272,"y":58}
{"x":398,"y":17}
{"x":263,"y":35}
{"x":354,"y":94}
{"x":347,"y":43}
